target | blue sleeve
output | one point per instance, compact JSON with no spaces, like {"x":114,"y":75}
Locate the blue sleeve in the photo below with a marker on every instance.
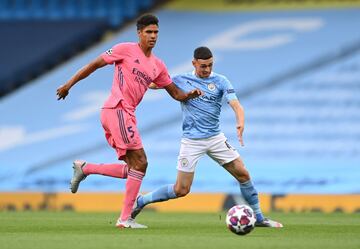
{"x":177,"y":80}
{"x":229,"y":90}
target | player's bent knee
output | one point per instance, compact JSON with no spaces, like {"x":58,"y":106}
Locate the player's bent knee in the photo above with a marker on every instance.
{"x":141,"y":165}
{"x":181,"y":192}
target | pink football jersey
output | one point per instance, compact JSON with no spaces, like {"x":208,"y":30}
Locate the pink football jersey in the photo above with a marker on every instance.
{"x":133,"y":74}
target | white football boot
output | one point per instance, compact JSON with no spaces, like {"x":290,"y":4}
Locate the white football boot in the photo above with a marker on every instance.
{"x":78,"y":175}
{"x":268,"y":223}
{"x":129,"y":223}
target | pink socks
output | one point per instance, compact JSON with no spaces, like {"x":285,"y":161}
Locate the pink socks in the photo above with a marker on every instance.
{"x":133,"y":184}
{"x":114,"y":170}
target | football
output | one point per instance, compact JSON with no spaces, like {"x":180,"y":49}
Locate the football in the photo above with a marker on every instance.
{"x":240,"y":219}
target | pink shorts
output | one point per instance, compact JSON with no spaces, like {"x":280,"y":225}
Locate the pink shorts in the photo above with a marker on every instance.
{"x":120,"y":130}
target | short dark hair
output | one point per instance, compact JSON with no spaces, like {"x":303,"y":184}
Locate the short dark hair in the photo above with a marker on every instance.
{"x":146,"y":20}
{"x":202,"y":53}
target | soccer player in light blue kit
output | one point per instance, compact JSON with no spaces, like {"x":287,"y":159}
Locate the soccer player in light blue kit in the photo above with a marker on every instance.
{"x":202,"y":135}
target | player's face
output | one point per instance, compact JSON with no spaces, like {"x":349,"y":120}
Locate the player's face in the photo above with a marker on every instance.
{"x":148,"y":36}
{"x":203,"y":68}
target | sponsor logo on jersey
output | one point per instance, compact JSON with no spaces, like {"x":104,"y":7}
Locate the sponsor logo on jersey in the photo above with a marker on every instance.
{"x":211,"y":86}
{"x":207,"y":98}
{"x":141,"y":77}
{"x":109,"y":51}
{"x":189,"y":82}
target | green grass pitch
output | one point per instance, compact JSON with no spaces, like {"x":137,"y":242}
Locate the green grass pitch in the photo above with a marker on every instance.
{"x":71,"y":230}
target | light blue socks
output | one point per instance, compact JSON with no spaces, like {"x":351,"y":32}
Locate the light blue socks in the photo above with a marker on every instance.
{"x":251,"y":196}
{"x":166,"y":192}
{"x":163,"y":193}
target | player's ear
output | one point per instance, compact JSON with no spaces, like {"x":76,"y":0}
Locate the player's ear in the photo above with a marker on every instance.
{"x":194,"y":62}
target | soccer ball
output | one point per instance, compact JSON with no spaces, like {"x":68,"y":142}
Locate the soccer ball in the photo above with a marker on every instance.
{"x":240,"y":219}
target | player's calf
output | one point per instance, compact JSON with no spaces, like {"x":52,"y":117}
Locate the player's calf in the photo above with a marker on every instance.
{"x":181,"y":190}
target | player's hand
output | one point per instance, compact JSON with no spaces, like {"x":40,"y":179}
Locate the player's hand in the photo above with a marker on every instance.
{"x":153,"y":86}
{"x":239,"y":131}
{"x":194,"y":93}
{"x":62,"y":92}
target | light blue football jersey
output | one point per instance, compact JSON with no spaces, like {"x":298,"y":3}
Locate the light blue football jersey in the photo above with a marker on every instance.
{"x":201,"y":116}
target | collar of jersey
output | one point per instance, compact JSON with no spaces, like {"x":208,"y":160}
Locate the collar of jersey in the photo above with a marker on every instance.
{"x":193,"y":73}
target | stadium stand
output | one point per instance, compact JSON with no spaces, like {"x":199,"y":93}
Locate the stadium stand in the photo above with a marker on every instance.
{"x":113,"y":12}
{"x":29,"y":48}
{"x":300,"y":94}
{"x":44,"y":33}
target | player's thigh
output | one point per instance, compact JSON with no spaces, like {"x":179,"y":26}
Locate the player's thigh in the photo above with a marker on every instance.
{"x":191,"y":151}
{"x":121,"y":131}
{"x":126,"y":130}
{"x":105,"y":121}
{"x":220,"y":150}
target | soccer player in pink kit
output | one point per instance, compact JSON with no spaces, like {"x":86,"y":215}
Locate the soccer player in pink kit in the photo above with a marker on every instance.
{"x":135,"y":68}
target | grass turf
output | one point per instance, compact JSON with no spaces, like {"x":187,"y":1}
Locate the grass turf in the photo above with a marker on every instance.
{"x":53,"y":230}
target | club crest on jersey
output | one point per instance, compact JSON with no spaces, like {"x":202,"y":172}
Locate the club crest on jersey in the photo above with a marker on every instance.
{"x":184,"y":162}
{"x":211,"y":86}
{"x":109,"y":51}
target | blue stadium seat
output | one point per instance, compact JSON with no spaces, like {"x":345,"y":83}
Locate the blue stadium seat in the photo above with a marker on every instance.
{"x":105,"y":13}
{"x":114,"y":11}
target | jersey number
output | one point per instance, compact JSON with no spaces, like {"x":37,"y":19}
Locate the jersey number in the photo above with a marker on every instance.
{"x":130,"y":130}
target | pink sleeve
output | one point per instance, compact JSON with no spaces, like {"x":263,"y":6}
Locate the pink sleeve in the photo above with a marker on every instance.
{"x":114,"y":54}
{"x":163,"y":78}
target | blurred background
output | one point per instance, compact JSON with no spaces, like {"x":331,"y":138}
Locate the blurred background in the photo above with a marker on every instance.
{"x":295,"y":66}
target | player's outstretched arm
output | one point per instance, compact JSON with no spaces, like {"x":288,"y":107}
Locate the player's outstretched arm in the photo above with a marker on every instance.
{"x":84,"y":72}
{"x":179,"y":95}
{"x":240,"y":118}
